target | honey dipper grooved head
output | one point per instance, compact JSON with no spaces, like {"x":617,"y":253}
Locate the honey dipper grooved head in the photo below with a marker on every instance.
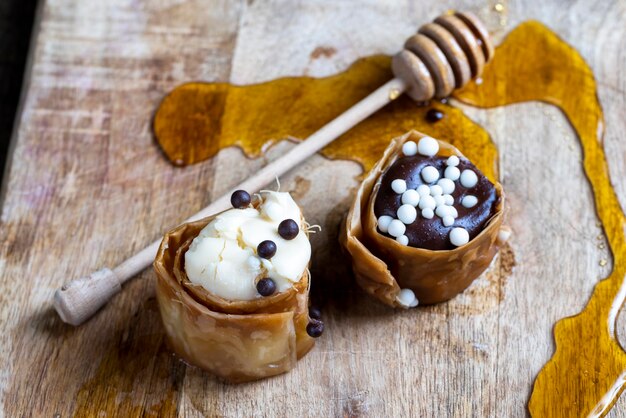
{"x":434,"y":59}
{"x":411,"y":69}
{"x":468,"y":41}
{"x":452,"y":50}
{"x":480,"y":31}
{"x":443,"y":56}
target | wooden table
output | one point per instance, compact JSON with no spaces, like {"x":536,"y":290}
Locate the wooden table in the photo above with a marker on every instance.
{"x":87,"y":186}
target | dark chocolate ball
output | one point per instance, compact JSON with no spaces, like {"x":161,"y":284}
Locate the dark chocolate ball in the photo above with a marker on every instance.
{"x":266,"y":249}
{"x":315,"y":313}
{"x":315,"y":328}
{"x":266,"y":287}
{"x":434,"y":115}
{"x":288,"y":229}
{"x":240,"y":199}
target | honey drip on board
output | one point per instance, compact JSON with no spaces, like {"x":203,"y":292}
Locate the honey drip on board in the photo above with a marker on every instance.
{"x":196,"y":120}
{"x":588,"y":369}
{"x":587,"y":372}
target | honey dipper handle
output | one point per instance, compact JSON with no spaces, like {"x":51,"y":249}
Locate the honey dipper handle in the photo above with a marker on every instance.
{"x":79,"y":299}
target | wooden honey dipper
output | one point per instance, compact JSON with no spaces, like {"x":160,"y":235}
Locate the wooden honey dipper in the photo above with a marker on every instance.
{"x":442,"y":56}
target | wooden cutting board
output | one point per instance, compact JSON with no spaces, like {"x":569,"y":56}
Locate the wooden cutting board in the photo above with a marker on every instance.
{"x":86,"y":187}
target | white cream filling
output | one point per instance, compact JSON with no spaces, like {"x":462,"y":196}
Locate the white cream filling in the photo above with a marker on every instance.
{"x":223,"y":260}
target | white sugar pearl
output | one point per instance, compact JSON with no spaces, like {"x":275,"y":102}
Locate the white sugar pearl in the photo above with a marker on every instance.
{"x":447,"y":185}
{"x":407,"y":214}
{"x":436,"y":190}
{"x":411,"y":197}
{"x":452,"y":173}
{"x":448,"y":220}
{"x":442,"y":211}
{"x":396,"y":228}
{"x":448,"y":199}
{"x":459,"y":236}
{"x":423,"y":190}
{"x":468,"y":179}
{"x":383,"y":223}
{"x":428,"y":213}
{"x":453,"y":161}
{"x":398,"y":186}
{"x":427,"y":202}
{"x":407,"y":298}
{"x":439,"y":200}
{"x":403,"y":239}
{"x":469,"y":201}
{"x":428,"y":146}
{"x":454,"y":212}
{"x":409,"y":148}
{"x":504,"y":235}
{"x":430,"y":174}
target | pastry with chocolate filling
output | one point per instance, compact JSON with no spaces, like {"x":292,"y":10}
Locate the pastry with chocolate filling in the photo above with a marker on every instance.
{"x":233,"y":289}
{"x":424,"y":224}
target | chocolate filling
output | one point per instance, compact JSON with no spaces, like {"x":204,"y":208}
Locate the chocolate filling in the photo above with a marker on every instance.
{"x":431,"y":234}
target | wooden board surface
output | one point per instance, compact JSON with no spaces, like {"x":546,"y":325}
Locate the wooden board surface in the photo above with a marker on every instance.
{"x":86,"y":186}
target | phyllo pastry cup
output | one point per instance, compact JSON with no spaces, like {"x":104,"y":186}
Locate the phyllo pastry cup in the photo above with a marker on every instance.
{"x":385,"y":268}
{"x":236,"y":340}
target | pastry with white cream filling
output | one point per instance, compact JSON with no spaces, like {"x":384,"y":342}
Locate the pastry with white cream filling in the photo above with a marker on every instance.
{"x":233,"y":288}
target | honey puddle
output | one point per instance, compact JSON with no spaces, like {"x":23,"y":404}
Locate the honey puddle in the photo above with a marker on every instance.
{"x":196,"y":120}
{"x":589,"y":363}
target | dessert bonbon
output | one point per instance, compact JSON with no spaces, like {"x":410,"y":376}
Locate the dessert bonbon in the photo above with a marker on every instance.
{"x":424,"y":224}
{"x":233,"y":288}
{"x":432,"y":64}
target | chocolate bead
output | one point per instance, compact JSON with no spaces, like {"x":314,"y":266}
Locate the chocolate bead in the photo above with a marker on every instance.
{"x":288,"y":229}
{"x":240,"y":199}
{"x":315,"y":313}
{"x":266,"y":287}
{"x":315,"y":328}
{"x":266,"y":249}
{"x":434,"y":115}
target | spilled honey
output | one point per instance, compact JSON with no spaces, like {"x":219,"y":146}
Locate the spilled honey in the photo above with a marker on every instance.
{"x":587,"y":371}
{"x":196,"y":120}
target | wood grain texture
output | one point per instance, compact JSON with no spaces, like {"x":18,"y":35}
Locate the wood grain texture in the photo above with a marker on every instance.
{"x":88,"y":187}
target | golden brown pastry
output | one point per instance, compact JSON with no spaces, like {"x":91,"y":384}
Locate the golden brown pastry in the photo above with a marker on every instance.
{"x":424,"y":223}
{"x":233,"y":289}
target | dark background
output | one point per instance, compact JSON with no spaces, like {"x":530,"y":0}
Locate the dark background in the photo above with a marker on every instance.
{"x":16,"y":24}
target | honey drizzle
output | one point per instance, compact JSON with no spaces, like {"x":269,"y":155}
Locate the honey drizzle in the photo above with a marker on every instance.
{"x":589,"y":363}
{"x":196,"y":120}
